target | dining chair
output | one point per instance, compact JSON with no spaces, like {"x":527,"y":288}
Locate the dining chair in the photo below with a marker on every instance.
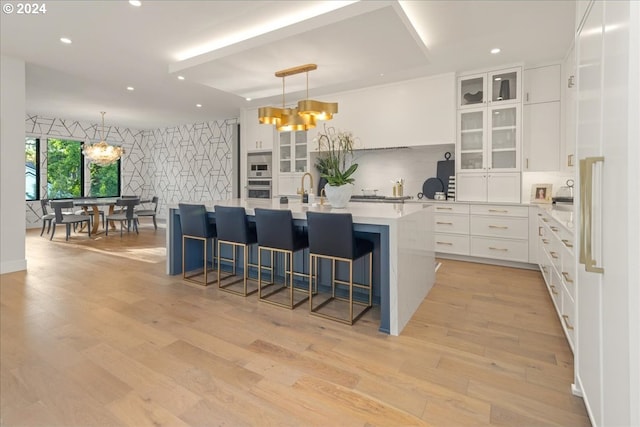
{"x":67,"y":219}
{"x":126,"y":215}
{"x":150,"y":212}
{"x":47,"y":217}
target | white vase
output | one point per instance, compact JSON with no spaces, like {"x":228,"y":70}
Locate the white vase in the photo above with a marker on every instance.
{"x":339,"y":196}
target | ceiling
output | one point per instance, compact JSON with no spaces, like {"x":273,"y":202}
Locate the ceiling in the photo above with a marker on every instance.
{"x":355,"y":44}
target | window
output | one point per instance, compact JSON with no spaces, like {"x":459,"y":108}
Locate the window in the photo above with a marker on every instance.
{"x":105,"y":180}
{"x":32,"y":168}
{"x":65,"y":174}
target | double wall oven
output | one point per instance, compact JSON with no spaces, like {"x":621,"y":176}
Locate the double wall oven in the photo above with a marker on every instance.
{"x":259,"y":177}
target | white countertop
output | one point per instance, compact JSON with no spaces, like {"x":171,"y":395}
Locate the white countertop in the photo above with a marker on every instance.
{"x":363,"y":212}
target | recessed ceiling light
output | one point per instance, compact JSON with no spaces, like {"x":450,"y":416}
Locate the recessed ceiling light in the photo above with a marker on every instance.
{"x":65,"y":40}
{"x":495,"y":50}
{"x":198,"y":105}
{"x":248,"y":99}
{"x":381,"y":74}
{"x":130,"y":88}
{"x":136,"y":3}
{"x":180,"y":77}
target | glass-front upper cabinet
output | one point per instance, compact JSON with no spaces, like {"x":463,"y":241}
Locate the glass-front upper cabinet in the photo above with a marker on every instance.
{"x":293,"y":151}
{"x":504,"y":137}
{"x":502,"y":86}
{"x":473,"y":139}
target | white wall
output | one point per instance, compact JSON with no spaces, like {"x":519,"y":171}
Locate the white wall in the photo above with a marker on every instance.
{"x":12,"y":214}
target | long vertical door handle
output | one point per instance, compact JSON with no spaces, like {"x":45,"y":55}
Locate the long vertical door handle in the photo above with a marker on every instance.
{"x":586,"y":206}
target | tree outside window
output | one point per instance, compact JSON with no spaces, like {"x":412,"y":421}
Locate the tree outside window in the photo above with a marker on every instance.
{"x":64,"y":168}
{"x":105,"y":180}
{"x":31,"y":168}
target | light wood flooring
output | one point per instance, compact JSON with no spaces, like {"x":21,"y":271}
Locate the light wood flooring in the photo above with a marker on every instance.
{"x":95,"y":334}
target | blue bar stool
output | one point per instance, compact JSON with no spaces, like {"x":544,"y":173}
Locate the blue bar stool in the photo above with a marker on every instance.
{"x":276,"y":233}
{"x":331,"y":237}
{"x":234,"y":229}
{"x":196,"y":225}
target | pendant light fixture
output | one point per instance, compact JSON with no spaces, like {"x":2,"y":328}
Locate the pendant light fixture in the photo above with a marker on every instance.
{"x":102,"y":153}
{"x":306,"y":114}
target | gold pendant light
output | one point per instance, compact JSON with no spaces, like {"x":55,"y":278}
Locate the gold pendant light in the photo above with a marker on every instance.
{"x":303,"y":117}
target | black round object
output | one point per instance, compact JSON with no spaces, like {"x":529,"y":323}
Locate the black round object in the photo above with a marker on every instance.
{"x":431,"y":186}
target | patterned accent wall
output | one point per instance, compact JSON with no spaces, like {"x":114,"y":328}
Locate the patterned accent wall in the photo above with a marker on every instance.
{"x":181,"y":163}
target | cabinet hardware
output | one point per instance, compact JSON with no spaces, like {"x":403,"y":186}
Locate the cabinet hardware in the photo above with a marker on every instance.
{"x":554,"y":255}
{"x":545,"y":219}
{"x":566,"y":243}
{"x":444,"y":223}
{"x":566,"y":277}
{"x":565,"y":317}
{"x":527,"y":96}
{"x":501,"y":227}
{"x":440,"y":208}
{"x":527,"y":161}
{"x":553,"y":290}
{"x":539,"y":231}
{"x":445,"y":243}
{"x":545,"y":241}
{"x":570,"y":160}
{"x":571,"y":81}
{"x":554,"y":228}
{"x":498,"y":249}
{"x":499,"y":210}
{"x":539,"y":214}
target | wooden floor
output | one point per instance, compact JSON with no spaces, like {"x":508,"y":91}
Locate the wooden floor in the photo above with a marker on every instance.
{"x":95,"y":334}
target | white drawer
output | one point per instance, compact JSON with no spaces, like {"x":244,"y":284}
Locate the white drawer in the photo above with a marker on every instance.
{"x":556,"y":290}
{"x":500,"y":210}
{"x":512,"y":228}
{"x":451,"y":243}
{"x":568,"y":272}
{"x":568,"y":319}
{"x":456,"y":208}
{"x":512,"y":250}
{"x":458,"y":224}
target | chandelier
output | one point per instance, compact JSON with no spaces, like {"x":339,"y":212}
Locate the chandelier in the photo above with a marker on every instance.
{"x":305,"y":115}
{"x":102,"y":153}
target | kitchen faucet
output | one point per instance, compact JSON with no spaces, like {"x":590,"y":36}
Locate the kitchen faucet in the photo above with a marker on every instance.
{"x":301,"y":190}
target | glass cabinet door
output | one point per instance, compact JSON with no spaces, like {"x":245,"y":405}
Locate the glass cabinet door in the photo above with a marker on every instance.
{"x":504,"y":123}
{"x":472,"y":91}
{"x":472,"y":139}
{"x":293,"y":151}
{"x":301,"y":151}
{"x":504,"y":86}
{"x":285,"y":151}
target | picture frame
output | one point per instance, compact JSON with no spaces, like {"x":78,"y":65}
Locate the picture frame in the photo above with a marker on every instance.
{"x":541,"y":193}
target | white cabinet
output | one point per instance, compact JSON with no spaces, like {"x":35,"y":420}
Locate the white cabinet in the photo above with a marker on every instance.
{"x":542,"y":84}
{"x":292,"y":152}
{"x":451,"y":228}
{"x":256,"y":136}
{"x":541,"y":137}
{"x":541,"y":119}
{"x":569,"y":86}
{"x":499,"y":232}
{"x":488,"y":137}
{"x":489,"y":88}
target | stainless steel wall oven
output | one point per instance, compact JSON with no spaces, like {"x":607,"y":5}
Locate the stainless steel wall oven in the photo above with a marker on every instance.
{"x":259,"y":176}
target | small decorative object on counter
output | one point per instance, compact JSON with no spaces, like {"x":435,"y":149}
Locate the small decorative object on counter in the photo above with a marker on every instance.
{"x":541,"y":193}
{"x":335,"y":163}
{"x":284,"y":200}
{"x":398,"y":187}
{"x":451,"y":194}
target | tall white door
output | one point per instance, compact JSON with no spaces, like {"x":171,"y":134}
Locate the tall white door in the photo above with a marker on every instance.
{"x":607,"y":290}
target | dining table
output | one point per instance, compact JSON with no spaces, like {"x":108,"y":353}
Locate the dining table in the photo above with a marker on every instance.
{"x":91,"y":207}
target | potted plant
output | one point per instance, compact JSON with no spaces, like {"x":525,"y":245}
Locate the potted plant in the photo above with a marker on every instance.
{"x":336,"y":166}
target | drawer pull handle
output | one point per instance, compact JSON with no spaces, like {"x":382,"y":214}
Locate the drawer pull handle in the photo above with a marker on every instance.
{"x":501,"y":227}
{"x":553,"y":290}
{"x":498,"y":249}
{"x":545,"y":219}
{"x":440,"y":208}
{"x":539,"y":231}
{"x":444,"y":223}
{"x":445,"y":243}
{"x":539,"y":214}
{"x":566,"y":243}
{"x":565,"y":317}
{"x":554,"y":228}
{"x":554,"y":255}
{"x":566,"y":277}
{"x":499,"y":210}
{"x":545,"y":241}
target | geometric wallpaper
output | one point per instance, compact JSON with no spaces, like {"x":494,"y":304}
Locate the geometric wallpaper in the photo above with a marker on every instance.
{"x":181,"y":163}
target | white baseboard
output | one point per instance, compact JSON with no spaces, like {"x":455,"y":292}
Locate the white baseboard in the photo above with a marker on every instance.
{"x":11,"y":266}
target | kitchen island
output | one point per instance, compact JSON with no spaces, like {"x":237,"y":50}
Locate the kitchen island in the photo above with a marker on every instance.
{"x":402,"y":234}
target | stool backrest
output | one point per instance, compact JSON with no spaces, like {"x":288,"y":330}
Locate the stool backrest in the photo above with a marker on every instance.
{"x":232,"y":224}
{"x":58,"y":205}
{"x":194,"y":220}
{"x":331,"y":234}
{"x":275,"y":228}
{"x":129,"y":203}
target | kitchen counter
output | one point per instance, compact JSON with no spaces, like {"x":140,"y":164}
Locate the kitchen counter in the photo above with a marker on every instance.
{"x":404,"y":258}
